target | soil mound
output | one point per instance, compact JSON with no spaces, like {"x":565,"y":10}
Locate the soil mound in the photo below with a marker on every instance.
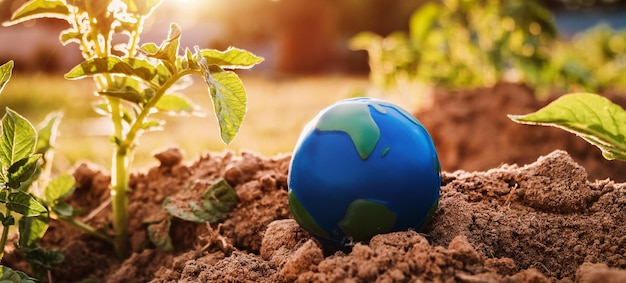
{"x":472,"y":132}
{"x":542,"y":222}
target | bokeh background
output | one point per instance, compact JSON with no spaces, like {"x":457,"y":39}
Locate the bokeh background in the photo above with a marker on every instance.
{"x":308,"y":65}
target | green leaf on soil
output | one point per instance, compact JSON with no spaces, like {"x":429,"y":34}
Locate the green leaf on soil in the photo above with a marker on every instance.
{"x":18,"y":138}
{"x":229,"y":100}
{"x":38,"y":9}
{"x":158,"y":232}
{"x":59,"y":188}
{"x":8,"y":275}
{"x":25,"y":204}
{"x":31,"y":231}
{"x":213,"y":206}
{"x":590,"y":116}
{"x":5,"y":74}
{"x":231,"y":58}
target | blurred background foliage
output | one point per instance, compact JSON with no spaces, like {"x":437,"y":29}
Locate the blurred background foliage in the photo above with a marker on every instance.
{"x":320,"y":51}
{"x":303,"y":36}
{"x":471,"y":43}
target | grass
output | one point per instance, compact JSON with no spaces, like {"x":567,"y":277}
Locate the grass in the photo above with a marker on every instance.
{"x":278,"y":109}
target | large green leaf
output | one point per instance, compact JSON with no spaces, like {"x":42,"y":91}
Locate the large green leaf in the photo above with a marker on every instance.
{"x":590,"y":116}
{"x":37,"y":9}
{"x":18,"y":138}
{"x":231,"y":58}
{"x":229,"y":101}
{"x":5,"y":74}
{"x":59,"y":188}
{"x":25,"y":204}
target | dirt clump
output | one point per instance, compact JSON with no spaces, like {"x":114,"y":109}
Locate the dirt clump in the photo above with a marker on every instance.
{"x":541,"y":222}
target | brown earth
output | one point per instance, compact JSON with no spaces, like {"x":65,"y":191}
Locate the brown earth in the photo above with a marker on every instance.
{"x":546,"y":221}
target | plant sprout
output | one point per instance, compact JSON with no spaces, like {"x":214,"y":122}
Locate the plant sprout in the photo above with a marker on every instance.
{"x":135,"y":81}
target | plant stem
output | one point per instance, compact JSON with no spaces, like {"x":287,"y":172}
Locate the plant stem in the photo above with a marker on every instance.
{"x":119,"y":195}
{"x":86,"y":228}
{"x":5,"y":234}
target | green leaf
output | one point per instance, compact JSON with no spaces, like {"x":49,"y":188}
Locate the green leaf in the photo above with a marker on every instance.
{"x":31,"y":231}
{"x":231,"y":58}
{"x":113,"y":65}
{"x":125,"y":93}
{"x":23,"y":171}
{"x":8,"y":221}
{"x":168,"y":51}
{"x":37,"y":9}
{"x":25,"y":204}
{"x":42,"y":260}
{"x":18,"y":138}
{"x":153,"y":125}
{"x":590,"y":116}
{"x":64,"y":209}
{"x":176,"y":104}
{"x":158,"y":232}
{"x":229,"y":101}
{"x":47,"y":133}
{"x":70,"y":35}
{"x":59,"y":188}
{"x":213,"y":206}
{"x":5,"y":74}
{"x":8,"y":275}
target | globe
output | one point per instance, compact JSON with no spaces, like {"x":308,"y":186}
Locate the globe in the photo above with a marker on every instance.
{"x":363,"y":167}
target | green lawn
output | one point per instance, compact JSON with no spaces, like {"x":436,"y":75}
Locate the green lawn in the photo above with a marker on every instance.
{"x":277,"y":111}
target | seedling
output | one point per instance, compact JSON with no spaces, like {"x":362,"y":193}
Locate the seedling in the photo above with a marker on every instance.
{"x":24,"y":170}
{"x":136,"y":81}
{"x":590,"y":116}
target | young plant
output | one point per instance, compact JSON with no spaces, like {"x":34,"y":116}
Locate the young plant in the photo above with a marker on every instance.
{"x":590,"y":116}
{"x":24,"y":167}
{"x":136,"y":81}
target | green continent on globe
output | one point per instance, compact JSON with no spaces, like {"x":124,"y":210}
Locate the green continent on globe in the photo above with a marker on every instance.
{"x":365,"y":218}
{"x":355,"y":120}
{"x":303,"y":217}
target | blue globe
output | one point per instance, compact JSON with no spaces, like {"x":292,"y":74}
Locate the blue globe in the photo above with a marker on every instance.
{"x":363,"y":167}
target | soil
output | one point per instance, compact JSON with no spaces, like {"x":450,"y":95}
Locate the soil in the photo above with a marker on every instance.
{"x":559,"y":218}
